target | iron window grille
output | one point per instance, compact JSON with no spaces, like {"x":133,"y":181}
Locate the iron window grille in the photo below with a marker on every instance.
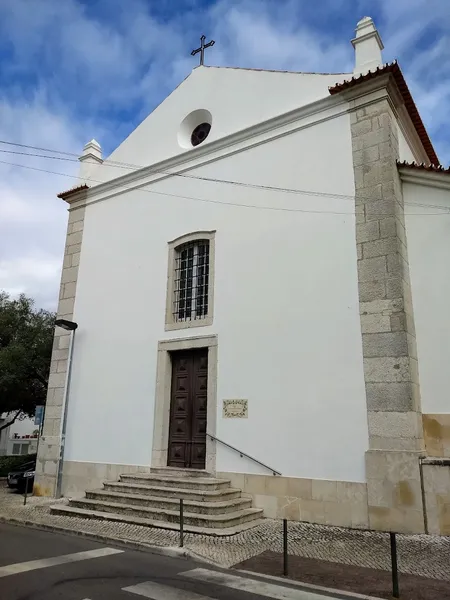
{"x":191,"y":281}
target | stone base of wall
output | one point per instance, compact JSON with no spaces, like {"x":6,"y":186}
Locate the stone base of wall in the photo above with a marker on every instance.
{"x":44,"y":485}
{"x":47,"y":466}
{"x":340,"y":503}
{"x":385,"y":504}
{"x":394,"y":491}
{"x":81,"y":476}
{"x":436,"y":432}
{"x":436,"y":478}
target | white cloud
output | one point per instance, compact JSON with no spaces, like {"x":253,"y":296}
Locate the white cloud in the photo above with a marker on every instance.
{"x":32,"y":219}
{"x":73,"y":74}
{"x":34,"y":275}
{"x":267,"y":36}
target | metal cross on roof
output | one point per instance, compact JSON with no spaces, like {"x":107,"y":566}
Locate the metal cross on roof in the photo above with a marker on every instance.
{"x":202,"y":48}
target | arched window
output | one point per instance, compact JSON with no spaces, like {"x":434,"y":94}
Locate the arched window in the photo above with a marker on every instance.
{"x":190,"y":281}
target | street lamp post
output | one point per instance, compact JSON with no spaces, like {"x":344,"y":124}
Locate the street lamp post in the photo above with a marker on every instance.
{"x":68,"y":326}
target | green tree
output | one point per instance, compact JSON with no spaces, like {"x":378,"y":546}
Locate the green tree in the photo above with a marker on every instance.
{"x":26,"y":339}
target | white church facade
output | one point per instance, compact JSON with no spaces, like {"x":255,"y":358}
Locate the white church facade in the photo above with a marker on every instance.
{"x":259,"y":278}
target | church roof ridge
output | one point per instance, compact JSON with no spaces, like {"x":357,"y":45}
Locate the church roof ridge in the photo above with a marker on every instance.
{"x":268,"y":70}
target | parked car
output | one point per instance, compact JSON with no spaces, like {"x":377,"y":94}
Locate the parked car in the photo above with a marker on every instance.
{"x":23,"y":477}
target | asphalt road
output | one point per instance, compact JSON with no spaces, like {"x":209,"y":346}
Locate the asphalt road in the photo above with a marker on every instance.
{"x":38,"y":565}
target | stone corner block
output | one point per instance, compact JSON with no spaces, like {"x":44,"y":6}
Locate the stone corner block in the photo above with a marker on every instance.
{"x":69,"y":275}
{"x":372,"y":269}
{"x":77,"y":214}
{"x":390,"y":397}
{"x":56,"y":380}
{"x":384,"y":247}
{"x":367,"y":232}
{"x":375,"y":323}
{"x":396,"y":444}
{"x":395,"y":424}
{"x":384,"y":369}
{"x":372,"y":290}
{"x":380,"y":305}
{"x":75,"y":237}
{"x":385,"y":344}
{"x":66,"y":305}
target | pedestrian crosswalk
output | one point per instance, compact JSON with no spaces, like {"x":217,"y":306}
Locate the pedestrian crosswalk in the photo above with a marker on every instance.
{"x":157,"y":591}
{"x":209,"y":584}
{"x":256,"y":587}
{"x":53,"y":561}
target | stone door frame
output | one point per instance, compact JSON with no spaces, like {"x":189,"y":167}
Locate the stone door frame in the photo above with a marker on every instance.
{"x":163,"y":397}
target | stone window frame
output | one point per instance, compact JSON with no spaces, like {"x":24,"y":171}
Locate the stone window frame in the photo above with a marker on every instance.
{"x":161,"y":422}
{"x":170,"y":323}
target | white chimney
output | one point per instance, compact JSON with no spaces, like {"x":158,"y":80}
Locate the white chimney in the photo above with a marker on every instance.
{"x":91,"y":157}
{"x":368,"y":47}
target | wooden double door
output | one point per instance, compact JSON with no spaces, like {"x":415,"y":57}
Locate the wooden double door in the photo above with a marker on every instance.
{"x":188,"y":404}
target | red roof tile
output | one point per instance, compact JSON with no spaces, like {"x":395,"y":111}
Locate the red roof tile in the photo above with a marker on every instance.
{"x":407,"y":98}
{"x":68,"y":193}
{"x":424,"y":167}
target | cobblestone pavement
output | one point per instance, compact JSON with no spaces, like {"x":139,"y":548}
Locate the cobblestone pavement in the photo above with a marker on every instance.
{"x":428,"y":556}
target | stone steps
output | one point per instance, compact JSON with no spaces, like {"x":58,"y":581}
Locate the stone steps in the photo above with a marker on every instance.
{"x":176,"y":472}
{"x":175,"y":492}
{"x":173,"y":504}
{"x":229,"y":519}
{"x":69,"y":511}
{"x":210,"y":505}
{"x":190,"y":483}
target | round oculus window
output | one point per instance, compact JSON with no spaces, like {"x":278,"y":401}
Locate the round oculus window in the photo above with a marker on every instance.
{"x":200,"y":133}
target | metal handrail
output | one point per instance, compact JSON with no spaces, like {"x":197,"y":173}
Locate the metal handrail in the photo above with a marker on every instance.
{"x":241,"y":454}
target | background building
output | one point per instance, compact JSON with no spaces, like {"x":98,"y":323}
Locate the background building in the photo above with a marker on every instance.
{"x":19,"y":438}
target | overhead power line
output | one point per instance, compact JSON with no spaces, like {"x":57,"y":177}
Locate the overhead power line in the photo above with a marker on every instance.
{"x":141,"y":189}
{"x":254,"y":206}
{"x":224,"y":181}
{"x":37,"y":148}
{"x":123,"y":165}
{"x":16,"y":152}
{"x":118,"y":164}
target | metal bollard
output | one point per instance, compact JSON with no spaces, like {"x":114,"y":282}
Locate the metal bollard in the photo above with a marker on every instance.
{"x":26,"y":491}
{"x":395,"y":590}
{"x":181,"y":523}
{"x":285,"y":547}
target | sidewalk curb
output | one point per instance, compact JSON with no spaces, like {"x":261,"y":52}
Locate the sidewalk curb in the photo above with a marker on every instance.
{"x":172,"y":552}
{"x":308,"y":587}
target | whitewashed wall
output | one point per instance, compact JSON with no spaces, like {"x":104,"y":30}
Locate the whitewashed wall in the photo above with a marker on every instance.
{"x":429,"y":260}
{"x":286,"y":311}
{"x":236,"y":99}
{"x":404,"y":149}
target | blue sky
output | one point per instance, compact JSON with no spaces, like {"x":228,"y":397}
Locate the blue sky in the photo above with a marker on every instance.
{"x":71,"y":70}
